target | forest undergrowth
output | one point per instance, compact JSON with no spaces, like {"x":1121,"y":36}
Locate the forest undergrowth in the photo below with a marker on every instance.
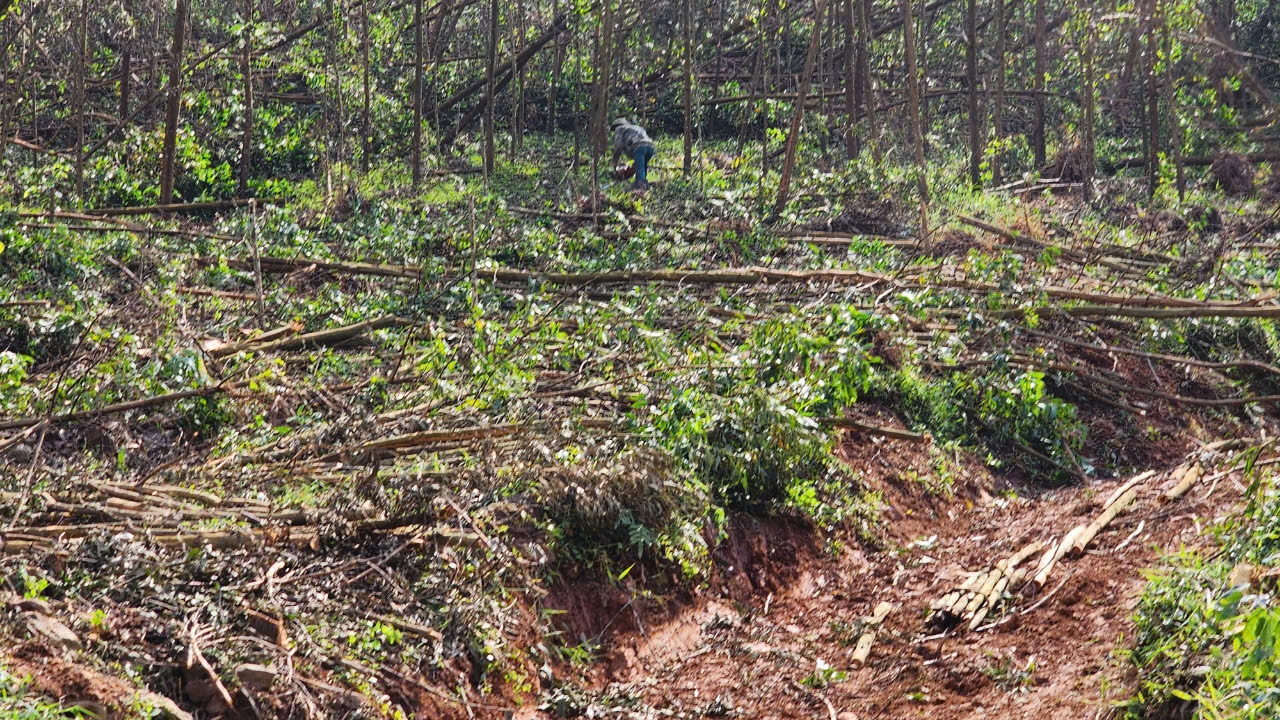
{"x":288,"y":459}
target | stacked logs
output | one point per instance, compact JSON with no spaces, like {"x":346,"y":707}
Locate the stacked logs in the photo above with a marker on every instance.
{"x":172,"y":516}
{"x":982,"y":592}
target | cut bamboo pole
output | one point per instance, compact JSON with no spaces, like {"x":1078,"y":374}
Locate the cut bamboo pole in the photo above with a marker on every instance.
{"x":980,"y":597}
{"x":1184,"y":484}
{"x":1016,"y":559}
{"x":945,"y":601}
{"x":1051,"y":559}
{"x":863,"y":649}
{"x":1083,"y":539}
{"x":1133,"y":481}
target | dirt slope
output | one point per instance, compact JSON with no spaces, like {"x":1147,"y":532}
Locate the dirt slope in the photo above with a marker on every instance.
{"x":753,"y":643}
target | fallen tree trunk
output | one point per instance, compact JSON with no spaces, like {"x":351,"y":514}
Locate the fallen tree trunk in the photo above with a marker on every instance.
{"x":432,"y":437}
{"x":320,"y":338}
{"x":183,"y":207}
{"x":895,"y":433}
{"x":1197,"y":160}
{"x":119,"y":407}
{"x":1102,"y":304}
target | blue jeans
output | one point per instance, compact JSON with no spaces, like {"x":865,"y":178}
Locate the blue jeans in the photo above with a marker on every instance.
{"x":644,"y":154}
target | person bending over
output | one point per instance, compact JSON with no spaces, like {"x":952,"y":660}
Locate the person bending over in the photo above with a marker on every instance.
{"x":632,"y":141}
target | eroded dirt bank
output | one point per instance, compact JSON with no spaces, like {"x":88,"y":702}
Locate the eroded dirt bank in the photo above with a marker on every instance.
{"x":773,"y":636}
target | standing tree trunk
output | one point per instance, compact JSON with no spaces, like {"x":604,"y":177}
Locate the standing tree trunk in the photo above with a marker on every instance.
{"x":913,"y":101}
{"x":490,"y":70}
{"x":333,"y":115}
{"x":924,"y":73}
{"x":997,"y":114}
{"x":869,"y":88}
{"x":82,"y":62}
{"x":246,"y":70}
{"x":1176,"y":137}
{"x":852,"y":83}
{"x":1090,"y":152}
{"x":1153,"y":99}
{"x":365,"y":129}
{"x":557,"y":59}
{"x":440,"y":40}
{"x":687,"y":24}
{"x":517,"y":111}
{"x":599,"y":139}
{"x":417,"y":92}
{"x":126,"y":61}
{"x":971,"y":79}
{"x":175,"y":102}
{"x":763,"y":108}
{"x":797,"y":117}
{"x":1037,"y":83}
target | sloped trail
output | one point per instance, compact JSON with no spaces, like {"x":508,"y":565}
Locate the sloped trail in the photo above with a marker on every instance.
{"x":756,"y":643}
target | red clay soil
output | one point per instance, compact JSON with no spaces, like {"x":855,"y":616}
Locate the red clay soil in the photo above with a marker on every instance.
{"x":79,"y":686}
{"x":752,"y":643}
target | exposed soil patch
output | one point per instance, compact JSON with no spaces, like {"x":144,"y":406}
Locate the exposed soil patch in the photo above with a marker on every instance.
{"x":755,"y":643}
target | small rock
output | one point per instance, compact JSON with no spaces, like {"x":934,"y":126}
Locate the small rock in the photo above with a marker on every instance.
{"x":846,"y":716}
{"x":259,"y":677}
{"x":52,"y":630}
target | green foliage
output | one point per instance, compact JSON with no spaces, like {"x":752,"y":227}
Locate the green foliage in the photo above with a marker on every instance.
{"x":1007,"y":410}
{"x":749,"y":450}
{"x":1208,"y":645}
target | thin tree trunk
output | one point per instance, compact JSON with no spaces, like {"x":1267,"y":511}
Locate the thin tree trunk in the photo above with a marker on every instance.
{"x":971,"y":79}
{"x":869,"y":89}
{"x":439,"y":42}
{"x":557,"y":61}
{"x":917,"y":138}
{"x":925,"y":23}
{"x":687,"y":25}
{"x":997,"y":115}
{"x":599,"y":141}
{"x":365,"y":127}
{"x":763,"y":110}
{"x":334,"y":138}
{"x":246,"y":70}
{"x":1153,"y":99}
{"x":126,"y":61}
{"x":174,"y":104}
{"x":82,"y":62}
{"x":489,"y":100}
{"x":1037,"y":83}
{"x":797,"y":116}
{"x":852,"y":94}
{"x":417,"y":92}
{"x":517,"y":111}
{"x":1176,"y":137}
{"x":1090,"y":152}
